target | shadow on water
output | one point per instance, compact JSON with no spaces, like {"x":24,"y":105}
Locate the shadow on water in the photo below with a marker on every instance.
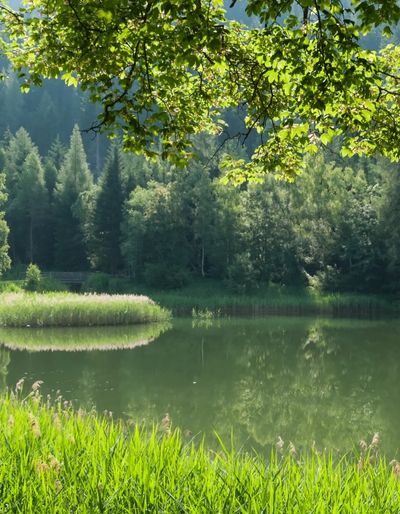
{"x":329,"y":381}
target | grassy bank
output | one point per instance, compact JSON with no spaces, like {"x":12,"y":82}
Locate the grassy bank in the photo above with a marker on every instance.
{"x":67,"y":309}
{"x":273,"y":300}
{"x":55,"y":460}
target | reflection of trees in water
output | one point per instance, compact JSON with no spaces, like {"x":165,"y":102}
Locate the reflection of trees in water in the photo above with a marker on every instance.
{"x":328,"y":388}
{"x":4,"y":362}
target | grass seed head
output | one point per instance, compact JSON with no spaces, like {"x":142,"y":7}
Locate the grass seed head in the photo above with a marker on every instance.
{"x":280,"y":444}
{"x":19,"y":385}
{"x":36,"y":385}
{"x":375,"y":440}
{"x":35,"y":426}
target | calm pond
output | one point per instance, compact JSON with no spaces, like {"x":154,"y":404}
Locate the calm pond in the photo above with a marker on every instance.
{"x":325,"y":380}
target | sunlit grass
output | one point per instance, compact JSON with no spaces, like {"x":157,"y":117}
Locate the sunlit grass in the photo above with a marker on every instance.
{"x":67,"y":309}
{"x":53,"y":459}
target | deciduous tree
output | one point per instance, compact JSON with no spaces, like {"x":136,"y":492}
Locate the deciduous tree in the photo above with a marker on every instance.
{"x":166,"y":69}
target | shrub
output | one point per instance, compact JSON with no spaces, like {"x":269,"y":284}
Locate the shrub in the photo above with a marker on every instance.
{"x":11,"y":287}
{"x":32,"y":278}
{"x":97,"y":283}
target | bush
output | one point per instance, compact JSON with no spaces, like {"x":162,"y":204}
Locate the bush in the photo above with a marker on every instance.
{"x":11,"y":287}
{"x":97,"y":283}
{"x":32,"y":278}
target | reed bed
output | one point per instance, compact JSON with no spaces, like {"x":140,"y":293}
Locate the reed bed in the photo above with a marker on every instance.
{"x":285,"y":301}
{"x":74,"y":310}
{"x":53,"y":459}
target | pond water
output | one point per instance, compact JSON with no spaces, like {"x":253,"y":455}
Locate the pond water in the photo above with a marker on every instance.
{"x":325,"y":380}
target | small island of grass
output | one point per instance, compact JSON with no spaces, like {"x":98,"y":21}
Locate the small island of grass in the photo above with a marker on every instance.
{"x":74,"y":310}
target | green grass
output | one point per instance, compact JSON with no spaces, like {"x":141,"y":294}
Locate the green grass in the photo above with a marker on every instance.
{"x":55,"y":460}
{"x":68,"y":309}
{"x":81,"y":338}
{"x":210,"y":295}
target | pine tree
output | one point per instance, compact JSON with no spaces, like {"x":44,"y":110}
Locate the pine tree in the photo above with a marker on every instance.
{"x":29,"y":211}
{"x":71,"y":208}
{"x":15,"y":150}
{"x":52,"y":164}
{"x":107,"y":216}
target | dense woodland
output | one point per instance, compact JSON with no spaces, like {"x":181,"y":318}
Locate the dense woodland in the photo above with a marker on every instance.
{"x":74,"y":201}
{"x":336,"y":228}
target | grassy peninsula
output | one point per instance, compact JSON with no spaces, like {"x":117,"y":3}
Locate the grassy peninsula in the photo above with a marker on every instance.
{"x":74,"y":310}
{"x":56,"y":460}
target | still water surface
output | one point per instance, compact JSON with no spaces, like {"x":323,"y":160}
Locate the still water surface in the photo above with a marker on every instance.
{"x":303,"y":379}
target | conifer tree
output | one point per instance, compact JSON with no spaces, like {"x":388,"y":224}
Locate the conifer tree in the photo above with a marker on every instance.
{"x":107,"y":216}
{"x":52,"y":164}
{"x":15,"y":150}
{"x":70,"y":207}
{"x":29,"y":212}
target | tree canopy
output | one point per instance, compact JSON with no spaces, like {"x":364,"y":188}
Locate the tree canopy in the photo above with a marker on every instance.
{"x":164,"y":70}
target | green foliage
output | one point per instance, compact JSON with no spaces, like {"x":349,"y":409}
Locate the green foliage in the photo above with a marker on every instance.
{"x":302,"y":73}
{"x":63,"y":461}
{"x":97,"y":283}
{"x":32,"y":278}
{"x":165,"y":276}
{"x":11,"y":287}
{"x":336,"y":229}
{"x":105,"y":228}
{"x":70,"y":207}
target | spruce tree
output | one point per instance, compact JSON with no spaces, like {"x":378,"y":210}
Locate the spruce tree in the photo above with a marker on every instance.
{"x":70,"y":207}
{"x":52,"y":164}
{"x":15,"y":150}
{"x":107,"y":216}
{"x":29,"y":212}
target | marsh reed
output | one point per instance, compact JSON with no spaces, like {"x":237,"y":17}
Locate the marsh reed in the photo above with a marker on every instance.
{"x":75,"y":310}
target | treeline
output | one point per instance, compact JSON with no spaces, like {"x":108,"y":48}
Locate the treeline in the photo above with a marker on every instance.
{"x":336,"y":228}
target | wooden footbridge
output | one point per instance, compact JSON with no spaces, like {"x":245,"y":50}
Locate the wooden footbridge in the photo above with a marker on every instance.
{"x":69,"y":278}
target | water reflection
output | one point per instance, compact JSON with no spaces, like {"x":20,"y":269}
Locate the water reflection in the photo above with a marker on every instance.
{"x":81,"y":339}
{"x":328,"y":381}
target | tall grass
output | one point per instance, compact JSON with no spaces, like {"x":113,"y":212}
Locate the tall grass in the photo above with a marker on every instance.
{"x":274,"y":300}
{"x":55,"y":460}
{"x":67,"y":309}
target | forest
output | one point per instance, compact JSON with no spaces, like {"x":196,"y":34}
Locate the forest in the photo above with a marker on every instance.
{"x":335,"y":229}
{"x":76,"y":201}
